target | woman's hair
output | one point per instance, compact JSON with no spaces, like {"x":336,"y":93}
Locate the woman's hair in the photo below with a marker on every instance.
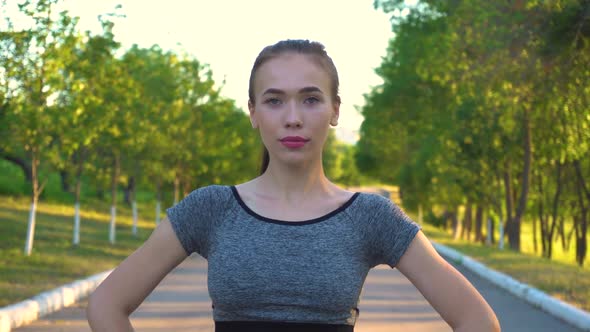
{"x":315,"y":50}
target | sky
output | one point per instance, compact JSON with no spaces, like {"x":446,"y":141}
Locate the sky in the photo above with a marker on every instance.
{"x":229,"y":34}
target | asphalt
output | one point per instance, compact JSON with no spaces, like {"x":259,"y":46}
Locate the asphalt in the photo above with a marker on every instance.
{"x":389,"y":302}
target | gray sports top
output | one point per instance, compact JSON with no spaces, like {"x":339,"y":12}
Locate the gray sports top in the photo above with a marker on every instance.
{"x":312,"y":271}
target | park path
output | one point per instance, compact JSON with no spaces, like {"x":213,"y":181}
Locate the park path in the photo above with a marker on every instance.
{"x":389,"y":302}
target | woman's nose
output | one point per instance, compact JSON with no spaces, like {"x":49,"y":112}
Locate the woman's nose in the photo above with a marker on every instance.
{"x":293,"y":117}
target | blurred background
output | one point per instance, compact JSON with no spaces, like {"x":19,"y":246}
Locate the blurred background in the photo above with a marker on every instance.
{"x":472,"y":115}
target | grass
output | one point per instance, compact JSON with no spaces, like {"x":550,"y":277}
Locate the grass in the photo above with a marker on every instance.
{"x":557,"y":277}
{"x":54,"y":260}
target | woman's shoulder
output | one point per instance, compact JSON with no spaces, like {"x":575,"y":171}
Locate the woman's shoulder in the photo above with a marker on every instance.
{"x":212,"y":189}
{"x":212,"y":196}
{"x":371,"y":200}
{"x":377,"y":206}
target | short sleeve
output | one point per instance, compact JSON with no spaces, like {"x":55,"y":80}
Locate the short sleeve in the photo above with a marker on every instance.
{"x":391,"y":232}
{"x":192,"y":218}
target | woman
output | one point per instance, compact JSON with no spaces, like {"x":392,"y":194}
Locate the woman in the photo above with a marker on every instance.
{"x":289,"y":250}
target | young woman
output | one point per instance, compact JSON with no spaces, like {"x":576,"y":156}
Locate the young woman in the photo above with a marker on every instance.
{"x":289,"y":250}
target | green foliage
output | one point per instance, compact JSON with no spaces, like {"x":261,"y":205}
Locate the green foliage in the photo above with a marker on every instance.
{"x":12,"y":181}
{"x":339,"y":162}
{"x":464,"y":84}
{"x":77,"y":104}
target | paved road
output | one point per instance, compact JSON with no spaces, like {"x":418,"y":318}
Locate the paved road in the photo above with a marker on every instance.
{"x":388,"y":303}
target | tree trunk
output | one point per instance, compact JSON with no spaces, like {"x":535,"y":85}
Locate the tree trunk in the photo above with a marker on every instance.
{"x":77,"y":190}
{"x":186,"y":188}
{"x":447,"y":217}
{"x":490,"y":231}
{"x":128,"y":191}
{"x":79,"y":159}
{"x":158,"y":200}
{"x":582,"y":229}
{"x":545,"y":236}
{"x":176,"y":188}
{"x":114,"y":180}
{"x":581,"y":223}
{"x":134,"y":210}
{"x":582,"y":241}
{"x":467,"y":221}
{"x":501,"y":234}
{"x":492,"y":228}
{"x":132,"y":196}
{"x":36,"y":192}
{"x":456,"y":225}
{"x":65,"y":183}
{"x":496,"y":205}
{"x":554,"y":217}
{"x":535,"y":245}
{"x":515,"y":223}
{"x":542,"y":219}
{"x":478,"y":224}
{"x":581,"y":179}
{"x":561,"y":234}
{"x":508,"y":193}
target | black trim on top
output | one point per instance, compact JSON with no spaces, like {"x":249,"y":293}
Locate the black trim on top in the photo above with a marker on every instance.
{"x":236,"y":326}
{"x":292,"y":223}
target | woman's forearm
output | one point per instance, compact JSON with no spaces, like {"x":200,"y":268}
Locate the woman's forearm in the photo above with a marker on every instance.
{"x":488,"y":324}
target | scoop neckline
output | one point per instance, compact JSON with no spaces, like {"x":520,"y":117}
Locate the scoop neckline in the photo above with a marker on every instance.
{"x":287,"y":222}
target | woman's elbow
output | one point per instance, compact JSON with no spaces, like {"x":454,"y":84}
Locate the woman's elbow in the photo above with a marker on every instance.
{"x":96,"y":309}
{"x":103,"y":314}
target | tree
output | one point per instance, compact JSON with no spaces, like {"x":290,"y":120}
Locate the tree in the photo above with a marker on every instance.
{"x":473,"y":93}
{"x":37,"y":54}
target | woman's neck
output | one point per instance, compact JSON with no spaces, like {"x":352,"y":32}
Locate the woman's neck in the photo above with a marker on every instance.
{"x":295,"y":183}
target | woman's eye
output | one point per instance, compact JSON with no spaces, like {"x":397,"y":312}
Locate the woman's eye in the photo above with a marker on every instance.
{"x":273,"y":101}
{"x":311,"y":100}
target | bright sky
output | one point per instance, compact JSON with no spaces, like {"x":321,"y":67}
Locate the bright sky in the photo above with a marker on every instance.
{"x":228,"y":34}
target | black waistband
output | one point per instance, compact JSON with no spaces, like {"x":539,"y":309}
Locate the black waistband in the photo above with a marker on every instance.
{"x":279,"y":327}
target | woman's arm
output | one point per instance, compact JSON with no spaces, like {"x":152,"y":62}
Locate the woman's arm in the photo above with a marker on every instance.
{"x":133,"y":280}
{"x":447,"y":290}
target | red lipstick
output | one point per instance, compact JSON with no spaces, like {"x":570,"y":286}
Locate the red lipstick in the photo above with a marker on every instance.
{"x":294,"y":142}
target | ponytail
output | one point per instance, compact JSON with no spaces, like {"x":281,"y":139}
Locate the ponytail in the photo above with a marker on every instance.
{"x":265,"y":160}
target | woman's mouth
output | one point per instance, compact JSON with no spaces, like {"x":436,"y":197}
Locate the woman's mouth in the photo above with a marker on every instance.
{"x":294,"y":142}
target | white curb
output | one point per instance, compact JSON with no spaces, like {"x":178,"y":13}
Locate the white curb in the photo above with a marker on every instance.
{"x":565,"y":311}
{"x":27,"y":311}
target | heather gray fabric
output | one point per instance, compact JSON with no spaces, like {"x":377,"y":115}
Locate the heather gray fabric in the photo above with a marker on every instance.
{"x":261,"y":269}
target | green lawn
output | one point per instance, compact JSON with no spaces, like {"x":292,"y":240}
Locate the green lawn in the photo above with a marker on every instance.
{"x":54,"y":261}
{"x":559,"y":277}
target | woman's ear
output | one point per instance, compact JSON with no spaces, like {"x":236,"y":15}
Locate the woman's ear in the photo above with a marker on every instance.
{"x":335,"y":115}
{"x":251,"y":109}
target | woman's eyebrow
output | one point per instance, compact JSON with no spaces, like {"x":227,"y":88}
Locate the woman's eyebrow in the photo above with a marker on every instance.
{"x":273,"y":91}
{"x":306,"y":89}
{"x":309,"y":89}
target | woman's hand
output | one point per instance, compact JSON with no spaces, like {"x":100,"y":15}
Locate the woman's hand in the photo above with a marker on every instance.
{"x":447,"y":290}
{"x":133,"y":280}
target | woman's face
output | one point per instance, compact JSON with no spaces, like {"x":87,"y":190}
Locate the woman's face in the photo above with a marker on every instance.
{"x":293,"y":108}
